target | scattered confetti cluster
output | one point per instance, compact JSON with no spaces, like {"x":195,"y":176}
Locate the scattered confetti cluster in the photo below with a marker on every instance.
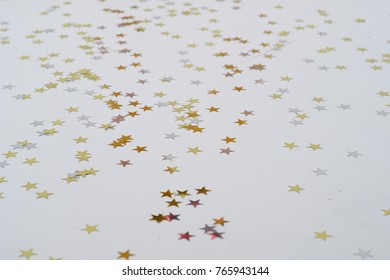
{"x":210,"y":230}
{"x":281,"y":107}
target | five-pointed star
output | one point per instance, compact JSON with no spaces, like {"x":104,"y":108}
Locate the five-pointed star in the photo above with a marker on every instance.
{"x":172,"y":170}
{"x":295,"y":188}
{"x":158,"y":218}
{"x":125,"y":255}
{"x":322,"y":235}
{"x":3,"y":164}
{"x":314,"y":147}
{"x":195,"y":203}
{"x":167,"y":193}
{"x":221,"y":221}
{"x":43,"y":194}
{"x":173,"y":202}
{"x":30,"y":161}
{"x":30,"y":186}
{"x":186,"y":236}
{"x":195,"y":150}
{"x":215,"y":234}
{"x":207,"y":228}
{"x":172,"y":217}
{"x":364,"y":254}
{"x":27,"y":254}
{"x":226,"y":151}
{"x":320,"y":171}
{"x":354,"y":154}
{"x":202,"y":190}
{"x":89,"y":229}
{"x":171,"y":135}
{"x":241,"y":122}
{"x":290,"y":145}
{"x":80,"y":140}
{"x":140,"y":149}
{"x":169,"y":157}
{"x":182,"y":194}
{"x":10,"y":154}
{"x":386,"y":212}
{"x":228,"y":140}
{"x":124,"y":163}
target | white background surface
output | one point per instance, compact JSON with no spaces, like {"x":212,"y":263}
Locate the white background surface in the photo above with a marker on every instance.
{"x":250,"y":186}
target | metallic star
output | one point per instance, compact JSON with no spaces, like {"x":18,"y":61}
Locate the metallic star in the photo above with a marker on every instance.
{"x":345,"y":107}
{"x":320,"y":108}
{"x":195,"y":203}
{"x":382,"y":113}
{"x":124,"y":163}
{"x":3,"y":164}
{"x":364,"y":254}
{"x":186,"y":236}
{"x":319,"y":171}
{"x":172,"y":217}
{"x":323,"y":68}
{"x":215,"y":234}
{"x":9,"y":86}
{"x":294,"y":110}
{"x":169,"y":157}
{"x":247,"y":113}
{"x":207,"y":228}
{"x":354,"y":154}
{"x":297,"y":122}
{"x":226,"y":151}
{"x":171,"y":136}
{"x":37,"y":123}
{"x":197,"y":82}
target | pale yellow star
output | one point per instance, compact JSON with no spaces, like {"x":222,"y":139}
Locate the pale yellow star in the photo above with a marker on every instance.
{"x":322,"y":235}
{"x":295,"y":188}
{"x":80,"y":140}
{"x":83,"y":156}
{"x":10,"y":154}
{"x":89,"y":229}
{"x":159,"y":94}
{"x":43,"y":194}
{"x":50,"y":131}
{"x":290,"y":145}
{"x":194,"y":150}
{"x":3,"y":180}
{"x":314,"y":146}
{"x":383,"y":93}
{"x":276,"y":96}
{"x":30,"y":161}
{"x":98,"y":96}
{"x":386,"y":212}
{"x":301,"y":116}
{"x":107,"y":126}
{"x":58,"y":122}
{"x":72,"y":109}
{"x":27,"y":254}
{"x":30,"y":186}
{"x":341,"y":67}
{"x":318,"y":99}
{"x":286,"y":78}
